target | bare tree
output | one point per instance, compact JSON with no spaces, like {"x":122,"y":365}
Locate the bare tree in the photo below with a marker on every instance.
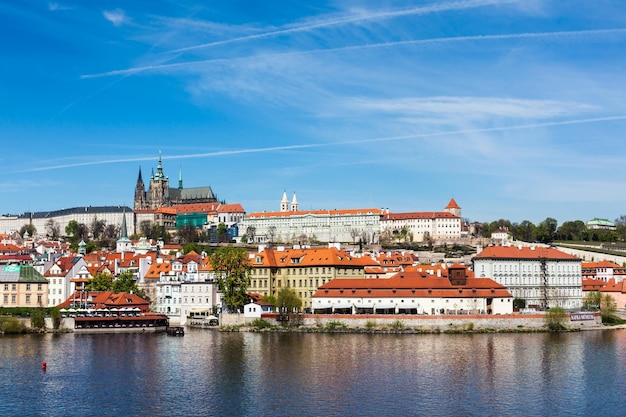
{"x":97,"y":228}
{"x":53,"y":229}
{"x":271,"y":234}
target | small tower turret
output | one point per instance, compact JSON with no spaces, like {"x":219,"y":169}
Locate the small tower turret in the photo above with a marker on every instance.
{"x":294,"y":202}
{"x":284,"y":203}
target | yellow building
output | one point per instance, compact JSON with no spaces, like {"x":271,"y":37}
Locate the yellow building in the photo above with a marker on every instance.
{"x":22,"y":286}
{"x":303,"y":270}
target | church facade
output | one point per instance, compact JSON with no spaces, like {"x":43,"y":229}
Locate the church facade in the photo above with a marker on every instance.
{"x":159,"y":193}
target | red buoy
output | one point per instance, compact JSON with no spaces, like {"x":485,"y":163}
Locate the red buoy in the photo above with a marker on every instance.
{"x":44,"y":365}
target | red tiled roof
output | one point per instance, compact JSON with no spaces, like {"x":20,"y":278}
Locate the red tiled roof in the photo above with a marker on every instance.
{"x":411,"y":284}
{"x":525,"y":252}
{"x":309,"y":257}
{"x":230,"y":208}
{"x":420,"y":215}
{"x":364,"y":211}
{"x":452,"y":204}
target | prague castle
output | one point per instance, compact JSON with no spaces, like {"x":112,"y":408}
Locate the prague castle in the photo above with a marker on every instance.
{"x":160,"y":194}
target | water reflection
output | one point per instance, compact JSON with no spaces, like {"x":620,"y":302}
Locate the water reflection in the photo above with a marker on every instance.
{"x":213,"y":373}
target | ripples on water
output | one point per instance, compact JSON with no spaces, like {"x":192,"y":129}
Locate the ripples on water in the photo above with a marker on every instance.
{"x":222,"y":374}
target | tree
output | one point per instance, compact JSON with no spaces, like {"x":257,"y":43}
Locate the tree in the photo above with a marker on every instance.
{"x":76,"y":231}
{"x":250,"y":233}
{"x":111,"y":231}
{"x":125,"y":282}
{"x":100,"y":282}
{"x":546,"y":231}
{"x":188,"y":234}
{"x":269,"y":298}
{"x":30,"y":228}
{"x":555,"y":319}
{"x":287,"y":301}
{"x":607,"y":305}
{"x":222,"y":233}
{"x":38,"y":318}
{"x":519,"y":303}
{"x":232,"y":270}
{"x":97,"y":228}
{"x":271,"y":234}
{"x":592,"y":300}
{"x":146,"y":228}
{"x":354,"y":233}
{"x":525,"y":231}
{"x":620,"y":227}
{"x":53,"y":230}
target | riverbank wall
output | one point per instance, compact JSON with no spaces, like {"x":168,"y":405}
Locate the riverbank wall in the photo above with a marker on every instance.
{"x":428,"y":323}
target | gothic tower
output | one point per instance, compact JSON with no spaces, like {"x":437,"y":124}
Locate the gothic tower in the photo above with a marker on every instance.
{"x":159,"y":187}
{"x":140,"y":193}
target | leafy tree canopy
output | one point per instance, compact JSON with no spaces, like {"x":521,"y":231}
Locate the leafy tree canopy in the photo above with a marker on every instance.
{"x":287,"y":301}
{"x":232,"y":271}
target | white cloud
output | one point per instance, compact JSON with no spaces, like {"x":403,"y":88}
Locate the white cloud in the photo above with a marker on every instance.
{"x":117,"y":17}
{"x":472,"y":108}
{"x":53,"y":7}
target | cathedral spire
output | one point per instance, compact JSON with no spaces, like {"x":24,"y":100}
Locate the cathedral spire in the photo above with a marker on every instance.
{"x":159,"y":174}
{"x":180,"y":179}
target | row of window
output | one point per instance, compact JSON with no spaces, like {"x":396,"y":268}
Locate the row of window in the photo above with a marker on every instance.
{"x":28,"y":287}
{"x":14,"y":299}
{"x":301,"y":283}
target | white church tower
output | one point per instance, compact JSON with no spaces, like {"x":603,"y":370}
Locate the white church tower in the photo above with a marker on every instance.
{"x":294,"y":202}
{"x":284,"y":203}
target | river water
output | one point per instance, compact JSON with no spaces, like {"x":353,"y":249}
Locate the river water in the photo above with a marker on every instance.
{"x":210,"y":373}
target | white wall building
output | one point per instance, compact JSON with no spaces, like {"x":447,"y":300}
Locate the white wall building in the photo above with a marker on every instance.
{"x":319,"y":225}
{"x":456,"y":291}
{"x":198,"y":297}
{"x":60,"y":218}
{"x":544,"y":277}
{"x":438,"y":225}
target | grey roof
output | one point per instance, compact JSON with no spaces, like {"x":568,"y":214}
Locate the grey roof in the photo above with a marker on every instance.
{"x":21,"y":273}
{"x":75,"y":210}
{"x":192,"y":193}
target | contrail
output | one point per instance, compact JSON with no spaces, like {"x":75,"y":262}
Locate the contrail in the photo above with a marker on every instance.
{"x":457,"y":5}
{"x":529,"y":35}
{"x":343,"y":143}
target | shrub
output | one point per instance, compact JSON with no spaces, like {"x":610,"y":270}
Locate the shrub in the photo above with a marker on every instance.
{"x":397,"y":325}
{"x":37,"y":319}
{"x":261,"y":324}
{"x":12,"y":325}
{"x":555,"y":319}
{"x":334,"y":325}
{"x":370,"y":324}
{"x":611,"y":320}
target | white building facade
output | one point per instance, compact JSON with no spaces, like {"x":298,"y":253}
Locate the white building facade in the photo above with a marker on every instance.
{"x":340,"y":226}
{"x":438,"y":225}
{"x":61,"y":218}
{"x":544,"y":277}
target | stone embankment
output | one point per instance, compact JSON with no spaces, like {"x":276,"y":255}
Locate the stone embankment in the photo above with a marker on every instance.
{"x":437,"y":323}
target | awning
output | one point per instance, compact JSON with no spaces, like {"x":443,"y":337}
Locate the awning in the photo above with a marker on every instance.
{"x":384,"y":305}
{"x":341,"y":305}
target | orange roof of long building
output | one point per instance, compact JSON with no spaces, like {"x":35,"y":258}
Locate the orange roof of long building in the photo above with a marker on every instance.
{"x":347,"y":212}
{"x":420,"y":215}
{"x":309,"y":257}
{"x":524,"y":252}
{"x":412,"y":284}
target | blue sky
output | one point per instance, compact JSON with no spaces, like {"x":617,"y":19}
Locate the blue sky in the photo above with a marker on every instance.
{"x":517,"y":109}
